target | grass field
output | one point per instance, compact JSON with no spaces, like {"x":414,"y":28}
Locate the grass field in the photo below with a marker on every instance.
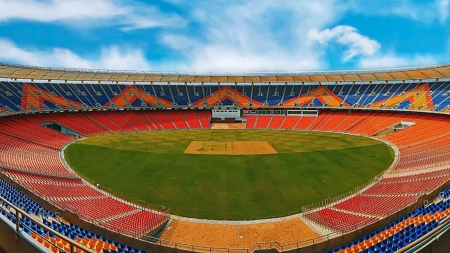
{"x":151,"y":166}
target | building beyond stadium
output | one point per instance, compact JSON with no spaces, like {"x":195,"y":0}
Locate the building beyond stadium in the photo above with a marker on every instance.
{"x":46,"y":207}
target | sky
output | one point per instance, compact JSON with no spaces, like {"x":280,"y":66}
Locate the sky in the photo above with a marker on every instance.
{"x":225,"y":36}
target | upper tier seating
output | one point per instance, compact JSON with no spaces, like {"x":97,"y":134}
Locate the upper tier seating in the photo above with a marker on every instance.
{"x":55,"y":96}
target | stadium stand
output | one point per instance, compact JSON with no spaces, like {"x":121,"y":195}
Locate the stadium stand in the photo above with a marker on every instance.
{"x":403,"y":232}
{"x":30,"y":150}
{"x":356,"y":123}
{"x":396,"y":95}
{"x":339,"y":220}
{"x":51,"y":241}
{"x":376,"y":205}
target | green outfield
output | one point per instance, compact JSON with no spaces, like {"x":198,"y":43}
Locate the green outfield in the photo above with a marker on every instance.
{"x":152,"y":166}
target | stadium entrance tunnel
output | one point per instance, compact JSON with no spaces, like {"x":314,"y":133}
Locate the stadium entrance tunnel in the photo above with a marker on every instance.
{"x":59,"y":128}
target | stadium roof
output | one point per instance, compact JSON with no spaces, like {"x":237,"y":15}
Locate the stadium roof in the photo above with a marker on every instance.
{"x":15,"y":71}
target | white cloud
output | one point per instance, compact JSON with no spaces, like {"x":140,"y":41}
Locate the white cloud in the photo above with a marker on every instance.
{"x":421,"y":11}
{"x":443,"y":8}
{"x":253,"y":35}
{"x":177,"y":42}
{"x":112,"y":57}
{"x":395,"y":61}
{"x":127,"y":14}
{"x":348,"y":36}
{"x":232,"y":36}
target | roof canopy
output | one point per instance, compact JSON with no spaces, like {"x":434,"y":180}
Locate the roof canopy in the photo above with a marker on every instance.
{"x":41,"y":73}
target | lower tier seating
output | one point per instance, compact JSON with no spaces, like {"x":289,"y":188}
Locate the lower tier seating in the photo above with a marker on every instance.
{"x":29,"y":154}
{"x":417,"y":187}
{"x":402,"y":232}
{"x":339,"y":220}
{"x":376,"y":205}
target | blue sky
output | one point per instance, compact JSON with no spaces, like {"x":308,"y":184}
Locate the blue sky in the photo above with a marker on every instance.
{"x":222,"y":36}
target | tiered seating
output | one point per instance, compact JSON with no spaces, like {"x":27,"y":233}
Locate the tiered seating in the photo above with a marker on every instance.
{"x":376,"y":205}
{"x":135,"y":224}
{"x":359,"y":120}
{"x":62,"y":191}
{"x":37,"y":136}
{"x":75,"y":123}
{"x":394,"y":178}
{"x":101,"y":117}
{"x":81,"y":235}
{"x":320,"y":120}
{"x":380,"y":122}
{"x":31,"y":147}
{"x":304,"y":122}
{"x":53,"y":187}
{"x":402,"y":232}
{"x":28,"y":124}
{"x":289,"y":122}
{"x":262,"y":121}
{"x":408,"y":95}
{"x":350,"y":119}
{"x":178,"y":119}
{"x":121,"y":121}
{"x":149,"y":122}
{"x":98,"y":127}
{"x":52,"y":241}
{"x":338,"y":117}
{"x":362,"y":122}
{"x":424,"y":144}
{"x":22,"y":201}
{"x":94,"y":209}
{"x":251,"y":120}
{"x":34,"y":148}
{"x":90,"y":116}
{"x":135,"y":121}
{"x":204,"y":117}
{"x":27,"y":161}
{"x":10,"y":142}
{"x":163,"y":119}
{"x":418,"y":186}
{"x":275,"y":122}
{"x":192,"y":119}
{"x":339,"y":220}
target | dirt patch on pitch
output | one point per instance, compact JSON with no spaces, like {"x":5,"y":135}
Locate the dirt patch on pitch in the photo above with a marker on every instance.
{"x":228,"y":126}
{"x":230,"y":148}
{"x":179,"y":233}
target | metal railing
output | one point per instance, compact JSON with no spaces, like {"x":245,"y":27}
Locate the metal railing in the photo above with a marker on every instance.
{"x":19,"y":213}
